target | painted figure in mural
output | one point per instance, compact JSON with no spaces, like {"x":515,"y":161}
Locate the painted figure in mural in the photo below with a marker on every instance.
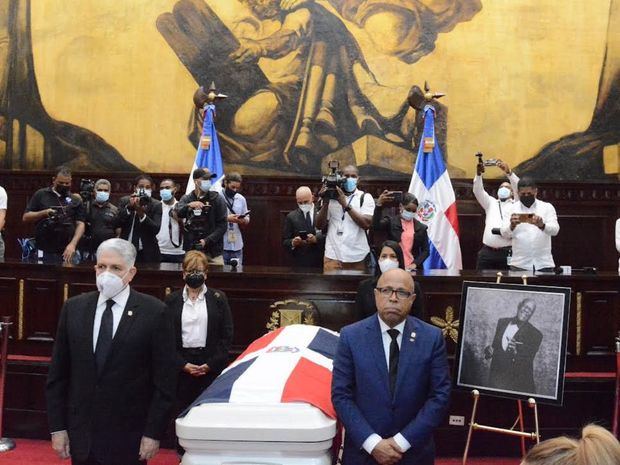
{"x":316,"y":102}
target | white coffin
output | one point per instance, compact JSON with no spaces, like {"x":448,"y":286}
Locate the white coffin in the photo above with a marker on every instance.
{"x":251,"y":434}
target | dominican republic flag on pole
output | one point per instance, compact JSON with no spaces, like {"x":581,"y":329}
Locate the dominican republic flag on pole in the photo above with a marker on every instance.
{"x":208,"y":154}
{"x":291,"y":364}
{"x":430,"y":183}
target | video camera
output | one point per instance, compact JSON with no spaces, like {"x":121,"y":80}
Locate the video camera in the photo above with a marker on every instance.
{"x":332,"y":180}
{"x":197,"y":225}
{"x":87,"y":187}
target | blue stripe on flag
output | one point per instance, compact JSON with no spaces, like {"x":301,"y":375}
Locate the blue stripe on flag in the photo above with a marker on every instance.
{"x":212,"y":157}
{"x":220,"y":389}
{"x":324,"y":343}
{"x":434,"y":260}
{"x":430,"y":166}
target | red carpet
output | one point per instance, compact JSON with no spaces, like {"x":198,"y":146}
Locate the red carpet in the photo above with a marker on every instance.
{"x":33,"y":452}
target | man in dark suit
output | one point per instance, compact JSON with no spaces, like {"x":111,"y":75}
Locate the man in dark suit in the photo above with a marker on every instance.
{"x":139,"y":217}
{"x":403,"y":228}
{"x":391,"y":383}
{"x":514,"y":347}
{"x":112,"y":379}
{"x":300,"y":237}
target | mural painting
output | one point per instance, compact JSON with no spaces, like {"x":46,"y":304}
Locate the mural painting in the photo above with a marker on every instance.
{"x":108,"y":87}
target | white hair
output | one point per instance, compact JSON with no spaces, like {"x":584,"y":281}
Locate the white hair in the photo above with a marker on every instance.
{"x":120,"y":246}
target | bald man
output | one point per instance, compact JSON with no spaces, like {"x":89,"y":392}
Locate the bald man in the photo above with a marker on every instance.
{"x":300,"y":236}
{"x":391,"y":382}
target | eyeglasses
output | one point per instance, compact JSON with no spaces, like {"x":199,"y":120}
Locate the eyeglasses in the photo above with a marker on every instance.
{"x":401,"y":294}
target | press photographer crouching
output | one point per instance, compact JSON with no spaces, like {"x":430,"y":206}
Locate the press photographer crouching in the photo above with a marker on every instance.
{"x":101,"y":216}
{"x":59,"y":218}
{"x":139,"y":217}
{"x":205,"y":215}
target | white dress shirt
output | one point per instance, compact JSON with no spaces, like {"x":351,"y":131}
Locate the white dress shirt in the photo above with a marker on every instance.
{"x":120,"y":300}
{"x":495,"y":212}
{"x":194,"y":320}
{"x":346,"y":241}
{"x":169,"y":226}
{"x":509,"y":333}
{"x":531,"y":246}
{"x":371,"y":441}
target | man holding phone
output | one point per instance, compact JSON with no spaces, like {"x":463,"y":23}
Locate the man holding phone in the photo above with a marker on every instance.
{"x":531,"y":226}
{"x":238,"y":217}
{"x":300,"y":237}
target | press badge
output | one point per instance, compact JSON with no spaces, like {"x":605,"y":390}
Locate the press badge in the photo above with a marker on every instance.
{"x":232,"y":237}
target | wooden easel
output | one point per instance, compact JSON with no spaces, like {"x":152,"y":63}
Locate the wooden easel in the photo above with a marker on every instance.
{"x":521,"y":433}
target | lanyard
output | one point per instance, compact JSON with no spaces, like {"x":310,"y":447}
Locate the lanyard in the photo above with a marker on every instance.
{"x":499,"y":203}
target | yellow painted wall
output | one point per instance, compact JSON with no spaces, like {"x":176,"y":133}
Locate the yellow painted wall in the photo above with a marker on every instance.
{"x":520,"y":74}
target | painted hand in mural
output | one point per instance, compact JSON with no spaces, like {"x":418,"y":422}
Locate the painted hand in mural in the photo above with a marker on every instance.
{"x":249,"y":51}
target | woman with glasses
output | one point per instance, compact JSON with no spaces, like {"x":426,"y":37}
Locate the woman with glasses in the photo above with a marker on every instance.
{"x":390,"y":257}
{"x":203,"y":329}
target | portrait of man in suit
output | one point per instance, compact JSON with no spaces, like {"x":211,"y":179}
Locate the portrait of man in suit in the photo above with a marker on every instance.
{"x":515,"y":344}
{"x":391,"y":382}
{"x":112,"y":378}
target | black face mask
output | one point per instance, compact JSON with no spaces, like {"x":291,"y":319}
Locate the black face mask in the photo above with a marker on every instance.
{"x":62,"y":190}
{"x":195,"y":280}
{"x":527,"y":200}
{"x":229,"y":192}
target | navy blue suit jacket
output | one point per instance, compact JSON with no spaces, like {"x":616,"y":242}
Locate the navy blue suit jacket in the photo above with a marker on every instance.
{"x":361,"y":392}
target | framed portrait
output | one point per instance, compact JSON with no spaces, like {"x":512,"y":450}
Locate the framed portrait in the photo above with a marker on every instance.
{"x":513,"y":340}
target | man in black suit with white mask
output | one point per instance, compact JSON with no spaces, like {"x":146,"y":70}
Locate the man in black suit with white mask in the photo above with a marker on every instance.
{"x":112,"y":379}
{"x":300,"y":237}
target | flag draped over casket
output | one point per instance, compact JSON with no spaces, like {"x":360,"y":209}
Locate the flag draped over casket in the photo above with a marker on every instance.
{"x":291,"y":364}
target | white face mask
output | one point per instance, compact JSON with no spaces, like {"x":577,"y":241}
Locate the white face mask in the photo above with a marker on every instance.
{"x":387,"y":264}
{"x":503,"y":193}
{"x":305,"y":207}
{"x":110,"y":284}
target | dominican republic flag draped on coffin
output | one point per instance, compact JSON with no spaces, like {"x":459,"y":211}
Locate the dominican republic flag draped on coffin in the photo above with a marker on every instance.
{"x":430,"y":183}
{"x":291,"y":364}
{"x":208,"y":154}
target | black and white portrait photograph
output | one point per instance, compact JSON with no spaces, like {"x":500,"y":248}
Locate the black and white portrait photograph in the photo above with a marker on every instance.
{"x":513,"y":340}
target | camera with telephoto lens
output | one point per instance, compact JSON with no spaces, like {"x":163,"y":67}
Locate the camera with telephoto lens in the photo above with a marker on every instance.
{"x":87,"y":187}
{"x":143,"y":198}
{"x":197,"y":225}
{"x":333,"y":180}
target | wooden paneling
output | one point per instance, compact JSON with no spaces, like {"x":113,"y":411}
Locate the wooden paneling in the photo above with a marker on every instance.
{"x":41,"y":309}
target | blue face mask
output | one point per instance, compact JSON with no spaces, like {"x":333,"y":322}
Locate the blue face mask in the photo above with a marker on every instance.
{"x":407,"y":215}
{"x":165,"y":194}
{"x":205,"y":185}
{"x":102,"y":196}
{"x":503,"y":193}
{"x":350,"y":184}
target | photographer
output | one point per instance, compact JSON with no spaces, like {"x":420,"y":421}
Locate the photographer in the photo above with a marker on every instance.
{"x":347,"y":212}
{"x":238,"y":217}
{"x":101,"y":216}
{"x":139,"y":217}
{"x":59,"y":218}
{"x":170,"y":236}
{"x":531,"y":226}
{"x":495,"y":248}
{"x":205,"y":216}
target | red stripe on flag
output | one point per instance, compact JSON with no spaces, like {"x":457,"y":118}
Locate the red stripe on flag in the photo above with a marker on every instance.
{"x":261,"y":342}
{"x":453,"y":217}
{"x":311,"y":383}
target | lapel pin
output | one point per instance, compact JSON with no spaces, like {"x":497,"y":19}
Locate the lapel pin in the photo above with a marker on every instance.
{"x":130,"y":313}
{"x":412,"y":337}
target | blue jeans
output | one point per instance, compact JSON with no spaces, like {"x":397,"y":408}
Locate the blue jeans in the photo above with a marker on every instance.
{"x":228,"y":254}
